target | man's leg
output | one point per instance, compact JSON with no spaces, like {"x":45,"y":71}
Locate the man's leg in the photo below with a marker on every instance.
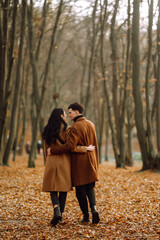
{"x":92,"y":201}
{"x":83,"y":203}
{"x":57,"y":214}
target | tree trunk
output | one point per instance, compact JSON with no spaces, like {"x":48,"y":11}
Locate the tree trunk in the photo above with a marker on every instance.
{"x":87,"y":96}
{"x":152,"y":153}
{"x":15,"y":141}
{"x":5,"y":85}
{"x":39,"y":97}
{"x":122,"y":122}
{"x":106,"y":94}
{"x":154,"y":56}
{"x":136,"y":87}
{"x":107,"y":141}
{"x":17,"y":89}
{"x":114,"y":59}
{"x":157,"y":164}
{"x":24,"y":109}
{"x":129,"y":144}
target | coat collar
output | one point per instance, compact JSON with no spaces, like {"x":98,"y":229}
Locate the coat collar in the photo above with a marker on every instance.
{"x":80,"y":117}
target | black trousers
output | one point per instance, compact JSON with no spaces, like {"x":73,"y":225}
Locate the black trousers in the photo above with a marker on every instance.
{"x":84,"y":191}
{"x":59,"y":198}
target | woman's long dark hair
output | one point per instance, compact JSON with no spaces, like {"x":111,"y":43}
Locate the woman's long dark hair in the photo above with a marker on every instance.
{"x":52,"y":129}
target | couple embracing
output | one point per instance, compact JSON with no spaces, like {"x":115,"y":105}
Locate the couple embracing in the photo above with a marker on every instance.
{"x":71,"y":161}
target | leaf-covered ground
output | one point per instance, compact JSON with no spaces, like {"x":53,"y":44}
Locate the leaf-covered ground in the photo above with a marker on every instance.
{"x":128,"y":202}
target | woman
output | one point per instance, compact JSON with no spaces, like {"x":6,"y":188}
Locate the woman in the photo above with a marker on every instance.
{"x":57,"y":175}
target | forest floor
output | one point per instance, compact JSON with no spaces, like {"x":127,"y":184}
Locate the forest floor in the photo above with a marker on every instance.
{"x":128,"y":202}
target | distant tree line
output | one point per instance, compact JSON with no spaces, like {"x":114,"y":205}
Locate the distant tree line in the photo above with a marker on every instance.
{"x":107,"y":59}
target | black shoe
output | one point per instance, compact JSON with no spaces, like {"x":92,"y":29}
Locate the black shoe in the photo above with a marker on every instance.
{"x":85,"y":219}
{"x":95,"y":215}
{"x":95,"y":218}
{"x":57,"y":217}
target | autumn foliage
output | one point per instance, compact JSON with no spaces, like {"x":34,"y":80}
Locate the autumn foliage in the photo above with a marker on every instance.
{"x":128,"y":202}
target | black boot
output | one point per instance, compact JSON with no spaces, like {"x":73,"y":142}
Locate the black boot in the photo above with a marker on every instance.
{"x":95,"y":215}
{"x":85,"y":218}
{"x":57,"y":216}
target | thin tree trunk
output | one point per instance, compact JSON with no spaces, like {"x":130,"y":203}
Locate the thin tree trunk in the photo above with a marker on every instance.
{"x":122,"y":122}
{"x":148,"y":109}
{"x":106,"y":94}
{"x":107,"y":141}
{"x":17,"y":89}
{"x":41,"y":127}
{"x":5,"y":86}
{"x":101,"y":124}
{"x":113,"y":42}
{"x":39,"y":97}
{"x":3,"y":47}
{"x":136,"y":86}
{"x":15,"y":141}
{"x":24,"y":108}
{"x":157,"y":164}
{"x":84,"y":67}
{"x":129,"y":144}
{"x":87,"y":97}
{"x":155,"y":92}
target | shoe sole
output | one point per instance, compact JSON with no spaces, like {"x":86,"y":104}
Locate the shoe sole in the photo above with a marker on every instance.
{"x":83,"y":221}
{"x":95,"y":218}
{"x":56,"y":221}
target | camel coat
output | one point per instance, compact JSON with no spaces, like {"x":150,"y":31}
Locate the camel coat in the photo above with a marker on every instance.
{"x":57,"y":174}
{"x":84,"y":166}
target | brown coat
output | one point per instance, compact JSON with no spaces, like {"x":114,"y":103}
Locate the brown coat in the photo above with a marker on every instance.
{"x":84,"y":166}
{"x":57,"y":174}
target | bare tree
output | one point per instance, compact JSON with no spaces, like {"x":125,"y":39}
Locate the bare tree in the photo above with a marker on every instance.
{"x":123,"y":154}
{"x":151,"y":149}
{"x":136,"y":86}
{"x":39,"y":96}
{"x":7,"y":40}
{"x":106,"y":92}
{"x":114,"y":57}
{"x":17,"y":88}
{"x":93,"y":41}
{"x":157,"y":164}
{"x":24,"y":102}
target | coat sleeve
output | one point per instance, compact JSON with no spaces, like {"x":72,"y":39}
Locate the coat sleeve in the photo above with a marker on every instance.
{"x":70,"y":144}
{"x":80,"y":149}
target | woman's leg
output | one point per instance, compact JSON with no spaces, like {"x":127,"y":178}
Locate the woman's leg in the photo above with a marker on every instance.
{"x":62,"y":200}
{"x":91,"y":194}
{"x":54,"y":198}
{"x":57,"y":214}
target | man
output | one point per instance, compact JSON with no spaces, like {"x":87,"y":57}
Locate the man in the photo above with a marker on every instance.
{"x":84,"y":165}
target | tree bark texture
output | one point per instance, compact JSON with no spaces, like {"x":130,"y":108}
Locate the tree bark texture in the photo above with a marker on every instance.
{"x":136,"y":86}
{"x":39,"y":96}
{"x":106,"y":94}
{"x":152,"y":154}
{"x":158,"y":90}
{"x":17,"y":89}
{"x":93,"y":41}
{"x":6,"y":61}
{"x":114,"y":59}
{"x":124,"y":104}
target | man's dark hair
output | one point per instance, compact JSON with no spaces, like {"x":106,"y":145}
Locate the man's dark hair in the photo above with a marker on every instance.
{"x":76,"y":106}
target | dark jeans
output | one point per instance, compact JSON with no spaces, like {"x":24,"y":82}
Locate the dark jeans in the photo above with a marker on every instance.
{"x":84,"y":191}
{"x":59,"y":198}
